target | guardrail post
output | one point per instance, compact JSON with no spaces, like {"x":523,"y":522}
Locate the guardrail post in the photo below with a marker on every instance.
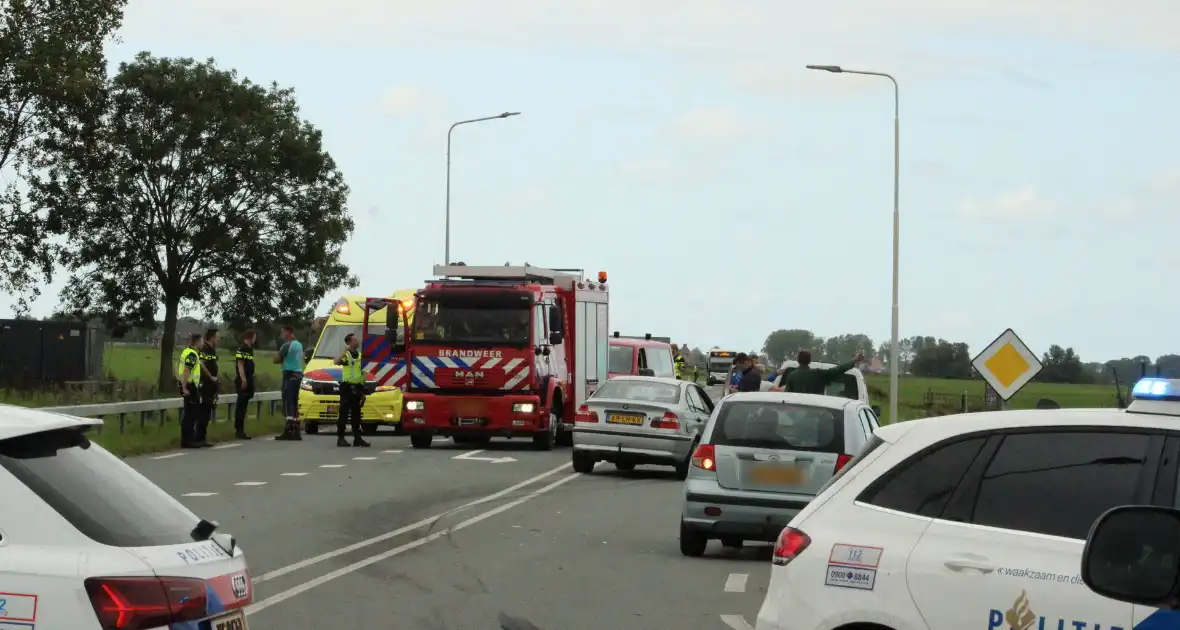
{"x":122,"y":422}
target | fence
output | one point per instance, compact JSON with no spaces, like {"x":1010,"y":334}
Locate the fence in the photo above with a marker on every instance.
{"x":156,"y":410}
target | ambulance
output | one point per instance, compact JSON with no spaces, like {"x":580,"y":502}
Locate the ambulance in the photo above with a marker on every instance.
{"x":319,"y":395}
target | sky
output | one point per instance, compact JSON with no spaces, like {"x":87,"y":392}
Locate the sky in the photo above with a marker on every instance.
{"x":682,"y":147}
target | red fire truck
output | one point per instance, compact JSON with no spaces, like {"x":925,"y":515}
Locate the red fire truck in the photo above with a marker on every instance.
{"x":503,"y":352}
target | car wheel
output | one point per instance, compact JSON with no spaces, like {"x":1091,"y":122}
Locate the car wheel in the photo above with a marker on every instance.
{"x":311,"y":428}
{"x":421,"y":440}
{"x":545,"y":441}
{"x":583,"y":462}
{"x":625,"y":465}
{"x":692,"y":543}
{"x":732,"y":543}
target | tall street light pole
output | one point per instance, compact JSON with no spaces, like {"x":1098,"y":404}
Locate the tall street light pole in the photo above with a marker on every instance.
{"x":894,"y":358}
{"x":449,"y":131}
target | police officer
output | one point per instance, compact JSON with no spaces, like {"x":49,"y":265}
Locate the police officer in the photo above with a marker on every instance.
{"x":696,"y":373}
{"x":209,"y":387}
{"x":244,"y":382}
{"x":352,"y":392}
{"x":678,"y":362}
{"x":188,"y":376}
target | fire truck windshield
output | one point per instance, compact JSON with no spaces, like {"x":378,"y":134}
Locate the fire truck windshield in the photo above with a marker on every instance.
{"x":457,"y":324}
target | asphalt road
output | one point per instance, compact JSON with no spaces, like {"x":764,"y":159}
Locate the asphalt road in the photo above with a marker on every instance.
{"x":450,"y":537}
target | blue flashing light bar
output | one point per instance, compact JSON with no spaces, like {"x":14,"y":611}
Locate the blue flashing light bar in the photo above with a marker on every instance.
{"x":1156,"y":388}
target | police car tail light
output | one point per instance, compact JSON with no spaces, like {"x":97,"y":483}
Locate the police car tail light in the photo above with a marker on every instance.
{"x":129,"y":603}
{"x":585,"y":415}
{"x":791,"y":542}
{"x":842,"y":461}
{"x":705,"y":457}
{"x":669,"y":421}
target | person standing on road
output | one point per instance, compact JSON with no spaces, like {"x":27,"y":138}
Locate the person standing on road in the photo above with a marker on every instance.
{"x":290,"y":357}
{"x":807,"y":380}
{"x":749,"y":377}
{"x":352,"y":392}
{"x":244,"y":382}
{"x":210,"y":386}
{"x":188,"y":375}
{"x":696,"y":373}
{"x":678,"y":362}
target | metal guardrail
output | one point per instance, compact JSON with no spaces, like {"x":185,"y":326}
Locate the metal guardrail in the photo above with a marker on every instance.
{"x":160,"y":407}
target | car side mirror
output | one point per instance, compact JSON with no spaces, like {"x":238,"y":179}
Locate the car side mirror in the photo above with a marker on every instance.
{"x":555,"y":338}
{"x":1133,"y":555}
{"x":647,"y":372}
{"x":308,"y":354}
{"x":876,"y":410}
{"x":555,"y":323}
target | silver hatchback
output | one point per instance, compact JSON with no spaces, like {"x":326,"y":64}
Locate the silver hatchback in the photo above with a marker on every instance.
{"x":634,"y":420}
{"x":762,"y":458}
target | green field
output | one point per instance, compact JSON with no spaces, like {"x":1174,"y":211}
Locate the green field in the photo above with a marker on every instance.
{"x":915,"y":394}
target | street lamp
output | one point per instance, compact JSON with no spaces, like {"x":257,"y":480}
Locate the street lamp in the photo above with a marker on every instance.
{"x":894,"y":359}
{"x":461,"y":122}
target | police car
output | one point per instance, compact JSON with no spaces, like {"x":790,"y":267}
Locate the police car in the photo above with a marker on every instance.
{"x":977,"y":521}
{"x":86,"y":542}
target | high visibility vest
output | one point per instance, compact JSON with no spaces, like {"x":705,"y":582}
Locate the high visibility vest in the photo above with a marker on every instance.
{"x":194,"y":376}
{"x":352,"y":372}
{"x":678,"y":364}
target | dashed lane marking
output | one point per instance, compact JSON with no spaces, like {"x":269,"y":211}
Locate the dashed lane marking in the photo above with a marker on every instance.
{"x":331,"y":465}
{"x":169,"y":455}
{"x":295,"y":474}
{"x":392,"y":451}
{"x":250,"y":483}
{"x":199,"y":494}
{"x":364,"y":459}
{"x":225,"y":446}
{"x":736,"y":583}
{"x":737,"y":622}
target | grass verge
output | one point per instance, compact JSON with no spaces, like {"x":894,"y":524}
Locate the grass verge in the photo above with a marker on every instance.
{"x":161,"y":431}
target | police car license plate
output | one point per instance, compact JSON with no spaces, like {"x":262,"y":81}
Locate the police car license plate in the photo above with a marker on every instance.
{"x":776,"y":474}
{"x":233,"y":621}
{"x":633,"y":420}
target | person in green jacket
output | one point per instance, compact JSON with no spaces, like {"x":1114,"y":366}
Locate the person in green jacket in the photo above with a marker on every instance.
{"x":808,"y":380}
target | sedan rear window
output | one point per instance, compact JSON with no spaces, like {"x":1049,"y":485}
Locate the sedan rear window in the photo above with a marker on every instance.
{"x":104,"y":498}
{"x":646,"y":391}
{"x":780,"y":426}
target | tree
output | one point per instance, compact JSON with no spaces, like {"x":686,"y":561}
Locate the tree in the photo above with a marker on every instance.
{"x":197,"y":188}
{"x":51,"y":72}
{"x":1062,"y":365}
{"x":782,"y":345}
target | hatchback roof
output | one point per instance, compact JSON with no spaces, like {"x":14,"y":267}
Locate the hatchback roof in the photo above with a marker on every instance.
{"x":813,"y":400}
{"x":17,"y":421}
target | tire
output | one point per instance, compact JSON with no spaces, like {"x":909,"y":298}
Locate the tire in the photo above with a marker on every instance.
{"x":565,"y":437}
{"x":732,"y":543}
{"x":692,"y":543}
{"x":421,"y":440}
{"x":583,"y":462}
{"x":311,"y":428}
{"x":545,"y":441}
{"x":369,"y":428}
{"x":625,"y":466}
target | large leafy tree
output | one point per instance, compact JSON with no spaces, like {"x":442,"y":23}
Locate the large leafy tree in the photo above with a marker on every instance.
{"x":198,"y":189}
{"x":51,"y":71}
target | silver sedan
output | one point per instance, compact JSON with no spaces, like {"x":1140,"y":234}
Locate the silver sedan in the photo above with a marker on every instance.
{"x":633,"y":420}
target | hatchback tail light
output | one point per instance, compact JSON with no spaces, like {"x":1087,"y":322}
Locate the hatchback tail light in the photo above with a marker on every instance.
{"x":124,"y":603}
{"x":842,"y":461}
{"x":585,"y":415}
{"x":705,"y":457}
{"x":791,"y":542}
{"x":669,"y":421}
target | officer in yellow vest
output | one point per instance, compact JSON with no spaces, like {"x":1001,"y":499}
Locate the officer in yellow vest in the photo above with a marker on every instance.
{"x":188,"y":375}
{"x":678,"y":361}
{"x":352,"y":392}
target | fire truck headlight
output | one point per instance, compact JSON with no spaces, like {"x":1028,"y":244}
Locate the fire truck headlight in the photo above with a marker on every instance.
{"x":415,"y":405}
{"x":524,"y":408}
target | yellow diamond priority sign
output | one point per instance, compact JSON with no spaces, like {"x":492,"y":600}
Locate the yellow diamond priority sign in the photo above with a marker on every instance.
{"x":1007,"y":364}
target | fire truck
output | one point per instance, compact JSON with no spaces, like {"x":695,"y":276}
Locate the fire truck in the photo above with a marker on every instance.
{"x":506,"y":351}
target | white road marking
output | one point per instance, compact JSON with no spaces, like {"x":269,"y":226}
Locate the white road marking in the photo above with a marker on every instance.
{"x":736,"y":583}
{"x":250,"y":483}
{"x":331,"y":465}
{"x":402,"y":530}
{"x":470,"y":455}
{"x":199,"y":494}
{"x":392,"y":451}
{"x":737,"y":622}
{"x":385,"y":555}
{"x":230,"y":445}
{"x":295,"y":474}
{"x":365,"y":459}
{"x":169,"y":455}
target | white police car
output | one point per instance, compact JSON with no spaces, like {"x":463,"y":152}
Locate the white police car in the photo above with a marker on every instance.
{"x":977,"y":521}
{"x":86,"y":542}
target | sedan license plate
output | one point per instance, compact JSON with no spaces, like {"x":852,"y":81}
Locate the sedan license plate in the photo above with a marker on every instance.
{"x":776,"y":474}
{"x":233,"y":621}
{"x":628,"y":419}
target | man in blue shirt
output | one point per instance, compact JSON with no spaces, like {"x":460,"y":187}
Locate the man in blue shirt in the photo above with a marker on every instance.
{"x":290,"y":357}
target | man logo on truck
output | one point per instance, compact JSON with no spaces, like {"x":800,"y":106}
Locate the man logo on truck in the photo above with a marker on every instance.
{"x":462,"y":374}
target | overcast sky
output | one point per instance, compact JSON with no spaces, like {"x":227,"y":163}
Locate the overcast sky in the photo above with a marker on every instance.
{"x":678,"y":144}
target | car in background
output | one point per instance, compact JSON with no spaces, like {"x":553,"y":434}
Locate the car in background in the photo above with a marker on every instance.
{"x":979,"y":521}
{"x":640,"y":420}
{"x":762,"y":458}
{"x":91,"y":544}
{"x":639,"y":357}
